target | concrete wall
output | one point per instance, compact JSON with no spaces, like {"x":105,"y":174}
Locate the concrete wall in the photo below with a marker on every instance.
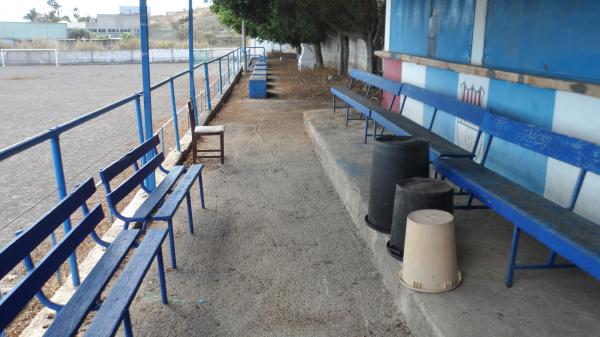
{"x":32,"y":31}
{"x":108,"y":56}
{"x":357,"y":52}
{"x":545,"y":38}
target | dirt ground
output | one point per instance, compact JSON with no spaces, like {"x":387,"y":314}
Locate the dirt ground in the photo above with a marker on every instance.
{"x":275,"y":253}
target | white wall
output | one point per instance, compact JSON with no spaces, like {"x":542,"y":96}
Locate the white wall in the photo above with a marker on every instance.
{"x":357,"y":57}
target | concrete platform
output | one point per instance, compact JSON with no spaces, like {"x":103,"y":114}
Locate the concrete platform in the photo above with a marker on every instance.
{"x":541,"y":303}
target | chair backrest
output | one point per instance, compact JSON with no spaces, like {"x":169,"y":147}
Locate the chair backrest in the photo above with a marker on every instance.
{"x":20,"y":248}
{"x":577,"y":152}
{"x":147,"y":154}
{"x":448,"y":104}
{"x":373,"y":80}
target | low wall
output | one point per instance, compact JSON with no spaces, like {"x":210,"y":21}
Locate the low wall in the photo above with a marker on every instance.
{"x":107,"y":56}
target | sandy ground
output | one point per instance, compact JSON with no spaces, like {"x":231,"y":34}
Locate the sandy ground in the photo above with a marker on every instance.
{"x":275,"y":253}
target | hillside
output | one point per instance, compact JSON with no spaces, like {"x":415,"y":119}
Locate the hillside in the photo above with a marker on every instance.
{"x":207,"y":28}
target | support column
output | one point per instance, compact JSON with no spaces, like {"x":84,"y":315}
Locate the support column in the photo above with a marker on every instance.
{"x":150,"y":181}
{"x":244,"y":58}
{"x":191,"y":58}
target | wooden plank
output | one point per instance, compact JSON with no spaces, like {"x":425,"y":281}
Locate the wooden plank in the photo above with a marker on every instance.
{"x":71,"y":316}
{"x":114,"y":169}
{"x":109,"y":316}
{"x":158,"y":194}
{"x":14,"y":252}
{"x":450,"y":105}
{"x":570,"y":150}
{"x":137,"y":178}
{"x":23,"y":292}
{"x":354,"y":99}
{"x":380,"y":82}
{"x":167,"y":210}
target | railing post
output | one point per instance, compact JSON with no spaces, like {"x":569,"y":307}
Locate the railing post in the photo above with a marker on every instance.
{"x":145,"y":50}
{"x":220,"y":77}
{"x":228,"y":70}
{"x":175,"y":122}
{"x":207,"y":85}
{"x":59,"y":175}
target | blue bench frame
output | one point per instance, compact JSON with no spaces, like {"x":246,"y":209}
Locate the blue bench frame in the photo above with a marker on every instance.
{"x":581,"y":154}
{"x":85,"y":299}
{"x":151,"y":161}
{"x":361,"y":102}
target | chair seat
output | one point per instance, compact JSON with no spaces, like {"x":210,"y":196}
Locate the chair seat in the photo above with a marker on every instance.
{"x":204,"y":129}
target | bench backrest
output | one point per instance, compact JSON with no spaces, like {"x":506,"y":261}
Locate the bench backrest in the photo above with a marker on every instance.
{"x":577,"y":152}
{"x":21,"y":247}
{"x":448,"y":104}
{"x":147,"y":154}
{"x":377,"y":81}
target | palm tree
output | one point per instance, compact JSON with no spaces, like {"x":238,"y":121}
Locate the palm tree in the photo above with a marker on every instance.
{"x":32,"y":16}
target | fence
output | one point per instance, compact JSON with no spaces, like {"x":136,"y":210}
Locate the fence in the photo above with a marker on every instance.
{"x":229,"y":65}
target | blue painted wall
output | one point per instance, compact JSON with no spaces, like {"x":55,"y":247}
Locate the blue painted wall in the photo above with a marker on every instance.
{"x":445,"y":82}
{"x":454,"y":29}
{"x":554,"y":38}
{"x":409,"y":23}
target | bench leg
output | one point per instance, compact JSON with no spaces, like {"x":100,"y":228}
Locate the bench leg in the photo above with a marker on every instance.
{"x":222,"y":136}
{"x":374,"y":130}
{"x":172,"y":244}
{"x":333,"y":105}
{"x":347,"y":112}
{"x":513,"y":256}
{"x":126,"y":225}
{"x":201,"y":185}
{"x":161,"y":276}
{"x":366,"y":128}
{"x":189,"y":212}
{"x":127,"y":324}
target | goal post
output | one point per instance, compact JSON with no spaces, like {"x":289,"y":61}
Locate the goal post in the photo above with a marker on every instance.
{"x":51,"y":53}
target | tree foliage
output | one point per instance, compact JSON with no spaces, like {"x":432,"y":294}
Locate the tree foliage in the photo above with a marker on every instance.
{"x":52,"y":16}
{"x":307,"y":21}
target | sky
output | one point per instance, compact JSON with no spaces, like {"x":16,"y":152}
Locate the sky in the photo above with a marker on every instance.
{"x":14,"y":10}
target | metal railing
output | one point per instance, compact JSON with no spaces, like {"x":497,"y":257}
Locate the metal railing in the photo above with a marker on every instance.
{"x":234,"y":62}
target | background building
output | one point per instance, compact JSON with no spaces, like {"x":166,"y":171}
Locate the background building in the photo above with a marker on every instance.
{"x":114,"y":25}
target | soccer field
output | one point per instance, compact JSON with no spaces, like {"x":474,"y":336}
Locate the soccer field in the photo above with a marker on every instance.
{"x":35,"y":98}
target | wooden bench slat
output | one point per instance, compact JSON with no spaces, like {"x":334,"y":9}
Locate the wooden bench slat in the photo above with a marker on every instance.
{"x":400,"y":125}
{"x":570,"y":235}
{"x":14,"y":252}
{"x":108,"y":318}
{"x":23,"y":292}
{"x":114,"y":169}
{"x":354,"y":99}
{"x":174,"y":200}
{"x":158,"y":194}
{"x":71,"y":316}
{"x":136,"y":179}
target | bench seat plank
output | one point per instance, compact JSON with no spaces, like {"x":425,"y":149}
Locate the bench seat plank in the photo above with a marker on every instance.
{"x":107,"y":320}
{"x":401,"y":125}
{"x":354,"y":99}
{"x":570,"y":235}
{"x":158,"y":194}
{"x":71,"y":316}
{"x":170,"y":206}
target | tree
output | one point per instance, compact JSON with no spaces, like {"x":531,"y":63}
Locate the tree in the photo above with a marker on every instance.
{"x":32,"y":15}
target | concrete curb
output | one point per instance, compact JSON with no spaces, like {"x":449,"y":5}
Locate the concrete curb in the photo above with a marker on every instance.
{"x":417,"y":317}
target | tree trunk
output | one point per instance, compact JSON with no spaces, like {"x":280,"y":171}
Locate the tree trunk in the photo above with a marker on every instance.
{"x":344,"y":54}
{"x":318,"y":56}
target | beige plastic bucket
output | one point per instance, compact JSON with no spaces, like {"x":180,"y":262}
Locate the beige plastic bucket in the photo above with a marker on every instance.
{"x":430,"y":263}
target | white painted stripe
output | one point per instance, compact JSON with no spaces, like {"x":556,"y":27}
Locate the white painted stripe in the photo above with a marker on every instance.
{"x":465,"y":132}
{"x":479,"y":32}
{"x":415,"y":75}
{"x":578,"y":116}
{"x":388,"y":16}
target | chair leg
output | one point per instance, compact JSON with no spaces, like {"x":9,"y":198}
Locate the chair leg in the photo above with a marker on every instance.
{"x":513,"y":256}
{"x":222,"y":136}
{"x":127,"y":324}
{"x":201,"y":185}
{"x":161,"y":276}
{"x":189,"y":212}
{"x":172,"y":244}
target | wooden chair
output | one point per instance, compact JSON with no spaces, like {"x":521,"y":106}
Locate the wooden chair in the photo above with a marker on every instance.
{"x":205,"y":130}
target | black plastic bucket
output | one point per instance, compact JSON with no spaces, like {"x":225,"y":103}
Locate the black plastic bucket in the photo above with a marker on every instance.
{"x":415,"y":194}
{"x":394,"y":158}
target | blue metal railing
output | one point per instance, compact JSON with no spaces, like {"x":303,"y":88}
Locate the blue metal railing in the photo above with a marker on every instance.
{"x":53,"y":134}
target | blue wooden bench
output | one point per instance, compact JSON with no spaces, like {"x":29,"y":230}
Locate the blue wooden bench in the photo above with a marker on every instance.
{"x":565,"y":233}
{"x":163,"y":201}
{"x":86,"y":298}
{"x":400,"y":125}
{"x":363,"y":102}
{"x":257,"y":84}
